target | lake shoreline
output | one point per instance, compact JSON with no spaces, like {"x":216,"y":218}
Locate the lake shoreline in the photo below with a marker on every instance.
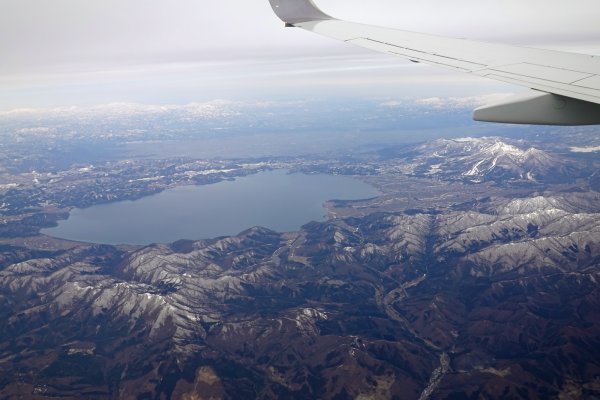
{"x":275,"y":199}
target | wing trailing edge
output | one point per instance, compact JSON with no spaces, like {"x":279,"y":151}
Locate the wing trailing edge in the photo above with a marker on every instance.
{"x":566,"y":85}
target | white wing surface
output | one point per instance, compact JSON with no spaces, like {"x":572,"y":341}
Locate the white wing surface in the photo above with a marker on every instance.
{"x":567,"y":85}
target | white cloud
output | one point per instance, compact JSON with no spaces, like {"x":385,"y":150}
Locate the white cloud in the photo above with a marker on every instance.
{"x":450,"y":102}
{"x":463,"y":102}
{"x":591,"y":149}
{"x":89,"y":52}
{"x":39,"y":130}
{"x":210,"y":109}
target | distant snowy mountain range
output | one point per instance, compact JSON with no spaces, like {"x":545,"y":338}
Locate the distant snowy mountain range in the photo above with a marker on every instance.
{"x":451,"y":102}
{"x":219,"y":107}
{"x":205,"y":109}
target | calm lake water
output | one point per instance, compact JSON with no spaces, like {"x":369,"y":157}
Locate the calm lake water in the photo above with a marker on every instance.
{"x":274,"y":199}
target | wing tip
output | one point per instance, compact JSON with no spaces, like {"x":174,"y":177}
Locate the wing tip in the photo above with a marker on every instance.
{"x":297,"y":11}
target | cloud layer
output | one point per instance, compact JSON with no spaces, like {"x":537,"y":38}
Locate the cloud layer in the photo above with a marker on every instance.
{"x":73,"y":52}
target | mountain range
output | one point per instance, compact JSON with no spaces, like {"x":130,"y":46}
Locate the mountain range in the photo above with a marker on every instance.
{"x":497,"y":299}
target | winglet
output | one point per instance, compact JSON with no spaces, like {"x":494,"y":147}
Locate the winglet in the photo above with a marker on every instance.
{"x":297,"y":11}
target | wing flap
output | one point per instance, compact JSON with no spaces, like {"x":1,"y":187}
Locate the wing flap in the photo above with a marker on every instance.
{"x":592,"y":82}
{"x":543,"y":72}
{"x":577,"y":92}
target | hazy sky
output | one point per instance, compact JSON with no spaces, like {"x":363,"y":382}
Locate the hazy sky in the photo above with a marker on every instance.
{"x":80,"y":52}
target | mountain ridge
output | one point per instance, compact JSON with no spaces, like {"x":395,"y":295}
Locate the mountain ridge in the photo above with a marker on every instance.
{"x":383,"y":299}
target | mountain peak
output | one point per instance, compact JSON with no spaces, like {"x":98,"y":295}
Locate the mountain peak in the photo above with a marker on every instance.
{"x":488,"y":159}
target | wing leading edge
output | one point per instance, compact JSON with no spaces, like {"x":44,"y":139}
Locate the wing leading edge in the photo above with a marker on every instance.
{"x":567,"y":85}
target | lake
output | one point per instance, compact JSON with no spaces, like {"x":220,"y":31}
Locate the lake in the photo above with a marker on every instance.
{"x":274,"y":199}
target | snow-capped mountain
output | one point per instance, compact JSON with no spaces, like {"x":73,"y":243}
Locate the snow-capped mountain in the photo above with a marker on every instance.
{"x":371,"y":306}
{"x":489,"y":158}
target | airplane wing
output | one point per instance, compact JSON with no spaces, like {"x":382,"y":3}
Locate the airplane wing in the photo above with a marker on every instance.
{"x":567,"y":85}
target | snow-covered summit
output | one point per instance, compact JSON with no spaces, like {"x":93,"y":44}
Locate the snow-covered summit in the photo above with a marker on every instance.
{"x":487,"y":158}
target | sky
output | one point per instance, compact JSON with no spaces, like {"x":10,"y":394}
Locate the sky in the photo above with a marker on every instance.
{"x":88,"y":52}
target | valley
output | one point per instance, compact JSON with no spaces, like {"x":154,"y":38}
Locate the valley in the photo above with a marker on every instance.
{"x":474,"y":274}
